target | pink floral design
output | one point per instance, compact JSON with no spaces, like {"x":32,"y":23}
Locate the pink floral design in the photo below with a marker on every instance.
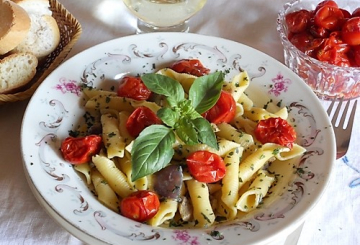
{"x":280,"y":85}
{"x":184,"y":238}
{"x":68,"y":86}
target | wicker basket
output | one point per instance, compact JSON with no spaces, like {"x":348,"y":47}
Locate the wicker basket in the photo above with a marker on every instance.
{"x":70,"y":31}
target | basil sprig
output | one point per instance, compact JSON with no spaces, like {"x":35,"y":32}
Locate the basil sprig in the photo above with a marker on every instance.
{"x":153,"y":148}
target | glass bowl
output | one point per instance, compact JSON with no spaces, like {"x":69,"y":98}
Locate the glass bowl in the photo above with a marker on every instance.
{"x":326,"y":80}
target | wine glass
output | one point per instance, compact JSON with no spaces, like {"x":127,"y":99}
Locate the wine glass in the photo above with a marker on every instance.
{"x":163,"y":15}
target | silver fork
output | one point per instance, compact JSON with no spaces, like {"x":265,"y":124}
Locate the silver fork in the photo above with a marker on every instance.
{"x":342,"y":131}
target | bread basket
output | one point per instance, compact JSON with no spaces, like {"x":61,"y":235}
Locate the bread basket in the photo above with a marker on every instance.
{"x":70,"y":31}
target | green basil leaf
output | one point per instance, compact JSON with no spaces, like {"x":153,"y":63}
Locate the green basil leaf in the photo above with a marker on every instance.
{"x":205,"y":132}
{"x":152,"y":150}
{"x":168,"y":116}
{"x":205,"y":91}
{"x":186,"y":110}
{"x":186,"y":132}
{"x":164,"y":85}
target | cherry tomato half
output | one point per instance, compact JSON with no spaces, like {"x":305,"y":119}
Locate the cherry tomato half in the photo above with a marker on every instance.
{"x":302,"y":41}
{"x":298,"y":21}
{"x":140,"y":119}
{"x":206,"y":166}
{"x":80,"y":150}
{"x":223,"y":111}
{"x":330,"y":3}
{"x":275,"y":130}
{"x":330,"y":18}
{"x":190,"y":66}
{"x":140,"y":205}
{"x":318,"y":31}
{"x":134,"y":88}
{"x":334,"y":51}
{"x":350,"y":32}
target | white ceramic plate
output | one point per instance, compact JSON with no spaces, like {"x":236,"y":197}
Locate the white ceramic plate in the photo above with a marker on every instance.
{"x":56,"y":107}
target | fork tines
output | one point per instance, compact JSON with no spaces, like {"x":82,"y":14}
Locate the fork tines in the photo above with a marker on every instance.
{"x":343,"y":115}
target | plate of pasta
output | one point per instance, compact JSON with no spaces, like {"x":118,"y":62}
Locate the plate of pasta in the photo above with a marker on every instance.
{"x":176,"y":138}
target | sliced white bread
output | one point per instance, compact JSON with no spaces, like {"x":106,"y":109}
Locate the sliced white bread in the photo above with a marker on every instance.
{"x":14,"y":25}
{"x":44,"y":34}
{"x":16,"y":70}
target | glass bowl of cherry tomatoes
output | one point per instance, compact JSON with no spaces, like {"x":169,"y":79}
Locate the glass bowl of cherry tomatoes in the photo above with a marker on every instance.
{"x":321,"y":41}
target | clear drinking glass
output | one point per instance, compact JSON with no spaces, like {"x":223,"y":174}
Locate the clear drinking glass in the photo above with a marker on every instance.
{"x":163,"y":15}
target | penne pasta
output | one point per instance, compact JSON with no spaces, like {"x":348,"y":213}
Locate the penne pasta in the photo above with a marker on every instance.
{"x":114,"y":143}
{"x":258,"y":189}
{"x":186,"y":80}
{"x":116,"y":179}
{"x":251,"y":164}
{"x":109,"y":102}
{"x":238,"y":85}
{"x":85,"y":170}
{"x":228,"y":132}
{"x":167,"y":211}
{"x":92,"y":92}
{"x":230,"y":182}
{"x":203,"y":213}
{"x":105,"y":193}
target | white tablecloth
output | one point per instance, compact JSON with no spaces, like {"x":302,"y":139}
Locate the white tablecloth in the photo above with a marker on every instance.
{"x":336,"y":220}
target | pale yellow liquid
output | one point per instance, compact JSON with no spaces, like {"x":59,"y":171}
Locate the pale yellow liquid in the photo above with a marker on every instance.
{"x":162,"y":13}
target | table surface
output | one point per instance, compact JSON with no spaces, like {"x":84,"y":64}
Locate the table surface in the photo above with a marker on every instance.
{"x":23,"y":221}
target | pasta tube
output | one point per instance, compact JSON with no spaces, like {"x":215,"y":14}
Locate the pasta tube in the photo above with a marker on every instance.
{"x":230,"y":182}
{"x":166,"y":212}
{"x":203,"y":212}
{"x":251,"y":199}
{"x":257,"y":159}
{"x":115,"y":178}
{"x":105,"y":194}
{"x":114,"y":143}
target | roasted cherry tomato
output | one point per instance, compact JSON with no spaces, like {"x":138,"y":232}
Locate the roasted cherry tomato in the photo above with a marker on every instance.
{"x":140,"y":206}
{"x":350,"y":32}
{"x":140,"y":119}
{"x":329,"y":3}
{"x":223,"y":111}
{"x":318,"y":31}
{"x":275,"y":130}
{"x":80,"y":150}
{"x":346,"y":13}
{"x":333,"y":50}
{"x":190,"y":66}
{"x":305,"y":42}
{"x":298,"y":21}
{"x":356,"y":55}
{"x":134,"y":88}
{"x":330,"y":18}
{"x":206,"y":166}
{"x":356,"y":13}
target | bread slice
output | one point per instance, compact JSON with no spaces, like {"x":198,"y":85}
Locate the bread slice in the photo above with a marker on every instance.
{"x":14,"y":25}
{"x":39,"y":7}
{"x":43,"y":37}
{"x":16,"y":70}
{"x":44,"y":34}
